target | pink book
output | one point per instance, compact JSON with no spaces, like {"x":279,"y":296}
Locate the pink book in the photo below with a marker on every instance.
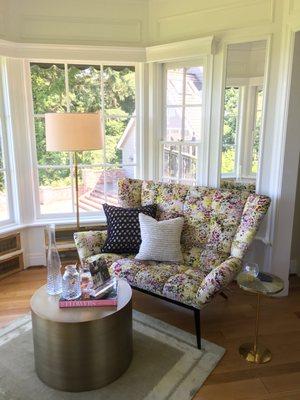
{"x":88,"y":303}
{"x":109,"y":298}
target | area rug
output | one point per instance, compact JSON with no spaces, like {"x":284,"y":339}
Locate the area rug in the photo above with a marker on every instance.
{"x":166,"y":365}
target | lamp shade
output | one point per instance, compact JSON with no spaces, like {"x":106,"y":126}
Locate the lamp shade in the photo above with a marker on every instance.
{"x":73,"y":132}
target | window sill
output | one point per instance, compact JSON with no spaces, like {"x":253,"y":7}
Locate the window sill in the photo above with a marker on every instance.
{"x":91,"y":220}
{"x":57,"y":221}
{"x":11,"y":228}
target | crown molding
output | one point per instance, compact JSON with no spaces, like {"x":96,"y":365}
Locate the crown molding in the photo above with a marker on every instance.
{"x":72,"y":52}
{"x":175,"y":51}
{"x":182,"y":50}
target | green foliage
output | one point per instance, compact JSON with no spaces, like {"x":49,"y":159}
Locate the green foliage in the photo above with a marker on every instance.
{"x":48,"y":88}
{"x":228,"y":158}
{"x":231,"y":110}
{"x":49,"y":95}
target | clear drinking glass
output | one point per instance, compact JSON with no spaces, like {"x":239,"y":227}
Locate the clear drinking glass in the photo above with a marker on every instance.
{"x":54,"y":280}
{"x":71,"y":283}
{"x":251,"y":268}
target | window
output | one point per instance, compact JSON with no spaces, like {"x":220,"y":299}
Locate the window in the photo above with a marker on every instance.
{"x":183,"y":123}
{"x":230,"y":130}
{"x":84,"y":88}
{"x":257,"y":129}
{"x":6,"y":198}
{"x":241,"y":131}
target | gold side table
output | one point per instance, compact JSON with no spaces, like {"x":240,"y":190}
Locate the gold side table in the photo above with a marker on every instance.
{"x":256,"y":352}
{"x":79,"y":349}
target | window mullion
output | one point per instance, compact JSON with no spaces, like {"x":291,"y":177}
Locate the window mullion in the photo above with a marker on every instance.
{"x":183,"y":105}
{"x":180,"y":163}
{"x":103,"y":119}
{"x":68,"y":105}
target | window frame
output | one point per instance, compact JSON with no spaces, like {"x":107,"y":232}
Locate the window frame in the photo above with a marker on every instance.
{"x":97,"y":215}
{"x":249,"y":88}
{"x":6,"y":142}
{"x":199,"y":144}
{"x":229,"y":175}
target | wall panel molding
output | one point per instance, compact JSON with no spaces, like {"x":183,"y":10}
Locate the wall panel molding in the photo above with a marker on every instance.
{"x":294,"y":7}
{"x":181,"y":50}
{"x":80,"y":29}
{"x":2,"y":24}
{"x":231,"y":16}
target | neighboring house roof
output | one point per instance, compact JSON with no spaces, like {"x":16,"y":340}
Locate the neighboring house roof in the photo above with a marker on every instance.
{"x":129,"y":128}
{"x":193,"y":97}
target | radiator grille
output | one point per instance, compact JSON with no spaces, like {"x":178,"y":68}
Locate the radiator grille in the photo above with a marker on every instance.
{"x":65,"y":235}
{"x":68,"y":256}
{"x":10,"y":265}
{"x":9,"y":244}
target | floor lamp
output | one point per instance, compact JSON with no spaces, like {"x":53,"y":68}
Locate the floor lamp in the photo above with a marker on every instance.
{"x":74,"y":132}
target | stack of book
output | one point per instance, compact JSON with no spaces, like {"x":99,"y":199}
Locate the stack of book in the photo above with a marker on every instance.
{"x":103,"y":294}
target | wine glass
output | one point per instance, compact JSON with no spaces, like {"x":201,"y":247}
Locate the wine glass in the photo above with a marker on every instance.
{"x":251,"y":269}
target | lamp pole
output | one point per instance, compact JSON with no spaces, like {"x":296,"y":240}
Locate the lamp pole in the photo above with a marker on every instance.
{"x":76,"y":190}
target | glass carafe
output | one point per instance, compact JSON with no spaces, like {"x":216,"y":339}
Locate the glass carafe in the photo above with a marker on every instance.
{"x":54,"y":279}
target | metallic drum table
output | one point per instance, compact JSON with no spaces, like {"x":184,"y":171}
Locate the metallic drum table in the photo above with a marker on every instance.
{"x":79,"y":349}
{"x":255,"y":352}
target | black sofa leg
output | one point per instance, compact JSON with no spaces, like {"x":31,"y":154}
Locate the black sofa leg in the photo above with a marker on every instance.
{"x":198,"y":328}
{"x":224,"y":295}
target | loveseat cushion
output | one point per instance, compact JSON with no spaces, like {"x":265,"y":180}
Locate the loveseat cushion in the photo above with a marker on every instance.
{"x":147,"y":275}
{"x":197,"y":215}
{"x":169,"y":198}
{"x":129,"y":194}
{"x":218,"y":279}
{"x":253,"y":213}
{"x":89,"y":243}
{"x":226,"y":211}
{"x":183,"y":287}
{"x":108,"y":258}
{"x":205,"y":259}
{"x":174,"y":281}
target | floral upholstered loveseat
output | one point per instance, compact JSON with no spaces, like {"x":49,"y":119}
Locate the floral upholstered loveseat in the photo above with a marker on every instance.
{"x":220,"y":224}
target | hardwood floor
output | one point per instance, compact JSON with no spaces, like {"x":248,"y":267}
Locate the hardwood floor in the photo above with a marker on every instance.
{"x":225,"y":322}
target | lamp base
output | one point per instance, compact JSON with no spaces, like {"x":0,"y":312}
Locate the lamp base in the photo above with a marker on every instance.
{"x":260,"y":356}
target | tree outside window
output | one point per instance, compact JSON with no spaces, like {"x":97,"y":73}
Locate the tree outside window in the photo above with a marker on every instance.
{"x":230,"y":130}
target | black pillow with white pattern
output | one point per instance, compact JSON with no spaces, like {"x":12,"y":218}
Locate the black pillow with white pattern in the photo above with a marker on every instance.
{"x":123,"y":228}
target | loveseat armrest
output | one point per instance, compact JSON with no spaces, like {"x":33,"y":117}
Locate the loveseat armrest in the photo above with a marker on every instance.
{"x":218,"y":279}
{"x":89,"y":243}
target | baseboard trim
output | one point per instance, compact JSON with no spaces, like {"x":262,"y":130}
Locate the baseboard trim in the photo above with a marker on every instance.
{"x":35,"y":259}
{"x":295,"y":267}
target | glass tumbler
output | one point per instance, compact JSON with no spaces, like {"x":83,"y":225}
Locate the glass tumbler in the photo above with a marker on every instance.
{"x":71,"y":283}
{"x":251,"y":268}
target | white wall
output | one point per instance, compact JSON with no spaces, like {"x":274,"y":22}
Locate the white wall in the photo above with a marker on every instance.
{"x":283,"y":234}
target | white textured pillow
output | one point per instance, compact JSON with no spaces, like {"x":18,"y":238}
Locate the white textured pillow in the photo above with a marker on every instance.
{"x":160,"y":239}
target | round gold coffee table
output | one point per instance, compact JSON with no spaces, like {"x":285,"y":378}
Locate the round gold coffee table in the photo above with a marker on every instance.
{"x":79,"y":349}
{"x":255,"y":352}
